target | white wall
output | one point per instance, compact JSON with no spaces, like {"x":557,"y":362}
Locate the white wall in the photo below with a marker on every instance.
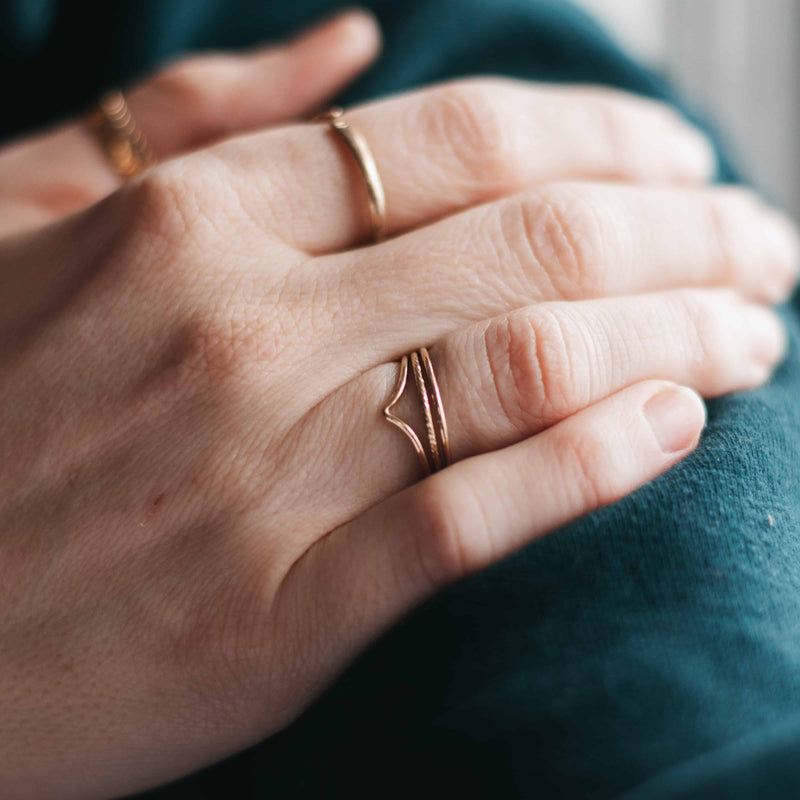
{"x":639,"y":24}
{"x":736,"y":60}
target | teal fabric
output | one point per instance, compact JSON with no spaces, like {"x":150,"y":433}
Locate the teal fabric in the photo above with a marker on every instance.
{"x":648,"y":652}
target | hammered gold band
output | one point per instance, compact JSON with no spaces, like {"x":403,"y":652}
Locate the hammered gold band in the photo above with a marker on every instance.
{"x":124,"y":143}
{"x":436,"y":455}
{"x":359,"y":148}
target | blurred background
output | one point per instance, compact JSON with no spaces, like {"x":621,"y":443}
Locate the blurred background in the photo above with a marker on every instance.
{"x":734,"y":60}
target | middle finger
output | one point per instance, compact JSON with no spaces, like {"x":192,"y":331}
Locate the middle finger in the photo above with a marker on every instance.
{"x":444,"y":149}
{"x":563,"y":242}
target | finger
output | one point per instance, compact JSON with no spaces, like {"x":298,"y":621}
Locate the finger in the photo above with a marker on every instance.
{"x":205,"y":98}
{"x":360,"y":579}
{"x":508,"y":378}
{"x":443,"y":149}
{"x":188,"y":104}
{"x":526,"y":370}
{"x":564,"y":241}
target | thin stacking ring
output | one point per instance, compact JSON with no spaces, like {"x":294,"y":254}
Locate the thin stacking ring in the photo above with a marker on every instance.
{"x":399,"y":388}
{"x":124,"y":143}
{"x":437,"y":454}
{"x":435,"y":401}
{"x":430,"y":429}
{"x":358,"y":146}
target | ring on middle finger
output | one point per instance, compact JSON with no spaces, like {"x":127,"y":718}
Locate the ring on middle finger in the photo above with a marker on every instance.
{"x":362,"y":154}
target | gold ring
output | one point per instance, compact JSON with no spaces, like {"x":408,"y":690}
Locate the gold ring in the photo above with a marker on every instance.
{"x":358,"y":146}
{"x":437,"y":454}
{"x":124,"y":143}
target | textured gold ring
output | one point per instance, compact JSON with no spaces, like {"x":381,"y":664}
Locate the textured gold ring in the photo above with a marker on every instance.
{"x":359,"y":148}
{"x":437,"y":407}
{"x":436,"y":455}
{"x":124,"y":143}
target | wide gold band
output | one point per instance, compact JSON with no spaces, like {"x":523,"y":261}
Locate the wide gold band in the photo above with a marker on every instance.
{"x":436,"y":455}
{"x":358,"y":146}
{"x":122,"y":140}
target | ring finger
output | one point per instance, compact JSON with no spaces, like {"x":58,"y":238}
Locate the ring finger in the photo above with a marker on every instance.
{"x":508,"y":378}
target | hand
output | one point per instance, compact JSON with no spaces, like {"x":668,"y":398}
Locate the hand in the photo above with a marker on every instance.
{"x":187,"y":105}
{"x":204,"y":517}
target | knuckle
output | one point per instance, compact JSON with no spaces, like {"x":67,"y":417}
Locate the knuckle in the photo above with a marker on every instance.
{"x":630,"y":128}
{"x":465,"y":121}
{"x":228,"y":339}
{"x":706,"y":317}
{"x":175,"y":249}
{"x":697,"y":304}
{"x":204,"y":360}
{"x":163,"y":203}
{"x":190,"y":85}
{"x":450,"y":536}
{"x":151,"y":235}
{"x":582,"y":456}
{"x":638,"y":108}
{"x":217,"y":348}
{"x":181,"y":215}
{"x":729,"y":212}
{"x":559,"y":232}
{"x":616,"y":123}
{"x":217,"y":341}
{"x":531,"y":362}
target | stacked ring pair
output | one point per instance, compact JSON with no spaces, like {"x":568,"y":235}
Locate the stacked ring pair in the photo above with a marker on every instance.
{"x":436,"y":455}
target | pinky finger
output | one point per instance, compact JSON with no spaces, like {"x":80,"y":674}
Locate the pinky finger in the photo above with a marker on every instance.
{"x":363,"y":577}
{"x":198,"y":100}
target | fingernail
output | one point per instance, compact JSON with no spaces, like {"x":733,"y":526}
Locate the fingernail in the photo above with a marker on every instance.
{"x":694,"y":154}
{"x":766,"y":335}
{"x":676,"y":416}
